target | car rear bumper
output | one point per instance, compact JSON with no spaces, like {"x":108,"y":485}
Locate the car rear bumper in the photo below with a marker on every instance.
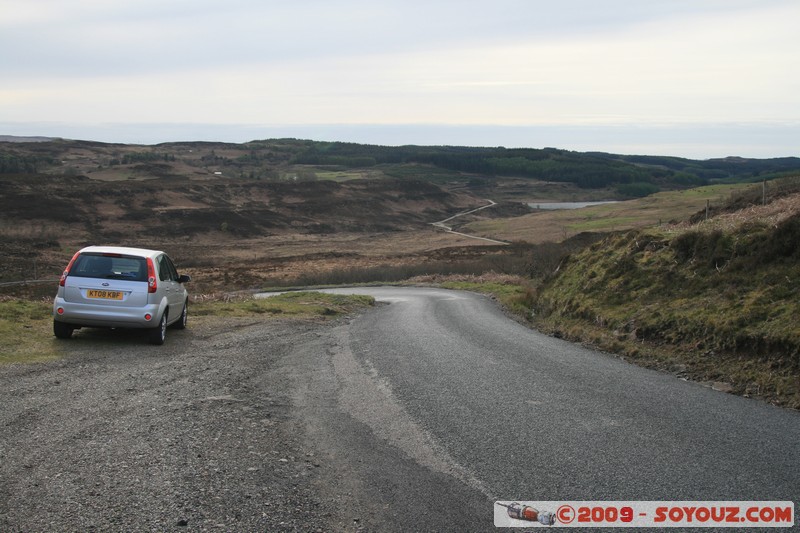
{"x":104,"y":316}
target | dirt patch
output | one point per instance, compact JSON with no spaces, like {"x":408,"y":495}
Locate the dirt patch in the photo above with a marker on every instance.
{"x":199,"y":434}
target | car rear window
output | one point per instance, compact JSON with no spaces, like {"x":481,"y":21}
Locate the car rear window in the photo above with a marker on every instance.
{"x":110,"y":266}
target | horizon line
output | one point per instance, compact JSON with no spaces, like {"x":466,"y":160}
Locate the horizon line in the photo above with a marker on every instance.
{"x":698,"y":141}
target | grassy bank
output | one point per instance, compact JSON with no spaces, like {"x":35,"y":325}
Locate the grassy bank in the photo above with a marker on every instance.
{"x":716,"y":301}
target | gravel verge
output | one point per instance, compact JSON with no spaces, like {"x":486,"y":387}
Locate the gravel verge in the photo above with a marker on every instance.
{"x":118,"y":435}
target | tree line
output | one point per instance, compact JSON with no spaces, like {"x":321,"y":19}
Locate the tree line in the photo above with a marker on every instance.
{"x":635,"y":174}
{"x":22,"y":164}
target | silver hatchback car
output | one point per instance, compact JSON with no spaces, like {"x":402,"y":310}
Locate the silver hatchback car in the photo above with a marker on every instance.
{"x":116,"y":287}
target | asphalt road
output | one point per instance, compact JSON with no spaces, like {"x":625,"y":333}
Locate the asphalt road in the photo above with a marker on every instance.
{"x":413,"y":416}
{"x":512,"y":414}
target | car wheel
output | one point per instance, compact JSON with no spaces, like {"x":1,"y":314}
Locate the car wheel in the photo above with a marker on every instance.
{"x":159,"y":334}
{"x":62,"y":330}
{"x":181,"y":323}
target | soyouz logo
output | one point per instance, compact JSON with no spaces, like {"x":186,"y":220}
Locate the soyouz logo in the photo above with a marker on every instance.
{"x":585,"y":514}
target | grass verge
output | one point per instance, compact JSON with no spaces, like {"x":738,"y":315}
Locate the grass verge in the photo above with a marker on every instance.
{"x":300,"y":304}
{"x":516,"y":297}
{"x":26,"y":331}
{"x":514,"y":293}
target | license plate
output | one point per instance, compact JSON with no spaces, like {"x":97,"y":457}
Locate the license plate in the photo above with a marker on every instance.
{"x":106,"y":295}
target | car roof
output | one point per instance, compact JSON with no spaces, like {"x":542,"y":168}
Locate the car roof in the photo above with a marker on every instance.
{"x":123,"y":250}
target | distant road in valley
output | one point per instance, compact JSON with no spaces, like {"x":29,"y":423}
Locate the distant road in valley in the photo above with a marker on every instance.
{"x":449,"y":229}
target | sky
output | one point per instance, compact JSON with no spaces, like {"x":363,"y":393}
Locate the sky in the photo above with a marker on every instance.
{"x":691,"y":78}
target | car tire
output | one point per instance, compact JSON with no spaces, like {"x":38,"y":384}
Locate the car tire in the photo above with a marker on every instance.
{"x":62,"y":330}
{"x":159,"y":334}
{"x":181,"y":323}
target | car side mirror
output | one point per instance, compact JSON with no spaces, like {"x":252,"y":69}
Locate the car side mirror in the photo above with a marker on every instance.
{"x":184,"y":278}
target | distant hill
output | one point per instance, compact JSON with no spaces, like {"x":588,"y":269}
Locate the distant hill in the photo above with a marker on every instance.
{"x":239,"y":209}
{"x":636,"y":175}
{"x":277,"y":159}
{"x":18,"y":139}
{"x":721,"y":169}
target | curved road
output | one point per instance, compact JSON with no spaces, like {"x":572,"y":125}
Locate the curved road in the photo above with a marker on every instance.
{"x":441,"y":224}
{"x":485,"y":408}
{"x":414,"y":416}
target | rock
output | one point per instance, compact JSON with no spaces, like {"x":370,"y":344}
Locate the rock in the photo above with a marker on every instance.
{"x":722,"y":386}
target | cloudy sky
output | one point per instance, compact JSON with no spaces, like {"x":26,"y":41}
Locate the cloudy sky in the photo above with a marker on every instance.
{"x":695,"y":78}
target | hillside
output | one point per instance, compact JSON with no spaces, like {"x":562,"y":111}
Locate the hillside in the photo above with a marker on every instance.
{"x":715,"y":300}
{"x":292,"y":159}
{"x":631,"y":176}
{"x":657,"y":209}
{"x":251,"y":225}
{"x":268,"y":212}
{"x":240,"y":208}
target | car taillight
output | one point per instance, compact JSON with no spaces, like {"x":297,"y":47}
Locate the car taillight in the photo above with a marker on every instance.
{"x":152,"y":284}
{"x":63,"y":279}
